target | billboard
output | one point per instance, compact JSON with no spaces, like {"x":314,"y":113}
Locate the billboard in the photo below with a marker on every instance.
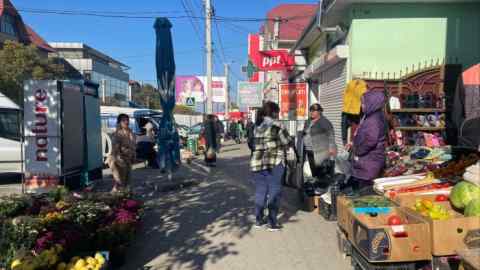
{"x":250,"y":94}
{"x":294,"y":101}
{"x":42,"y":147}
{"x":195,"y":87}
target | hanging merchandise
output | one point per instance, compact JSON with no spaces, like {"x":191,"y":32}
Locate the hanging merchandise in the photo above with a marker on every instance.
{"x":352,"y":96}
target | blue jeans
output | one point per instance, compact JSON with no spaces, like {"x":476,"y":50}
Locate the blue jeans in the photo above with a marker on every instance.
{"x":268,"y":189}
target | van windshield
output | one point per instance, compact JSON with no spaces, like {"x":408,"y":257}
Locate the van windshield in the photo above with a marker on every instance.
{"x":9,"y":125}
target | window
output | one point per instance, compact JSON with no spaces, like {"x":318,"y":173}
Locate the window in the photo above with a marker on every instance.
{"x":8,"y":25}
{"x":9,"y":125}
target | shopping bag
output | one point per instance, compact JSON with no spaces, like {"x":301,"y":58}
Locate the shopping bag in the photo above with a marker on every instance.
{"x":211,"y":153}
{"x":307,"y":171}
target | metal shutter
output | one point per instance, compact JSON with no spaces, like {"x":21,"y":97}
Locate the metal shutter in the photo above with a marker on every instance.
{"x":332,"y":85}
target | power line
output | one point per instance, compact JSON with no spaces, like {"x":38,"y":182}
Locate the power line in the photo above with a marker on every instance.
{"x":143,"y":15}
{"x":242,"y":45}
{"x":220,"y":42}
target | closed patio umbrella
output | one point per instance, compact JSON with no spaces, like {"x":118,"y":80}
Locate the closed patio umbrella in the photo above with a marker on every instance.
{"x":168,"y":140}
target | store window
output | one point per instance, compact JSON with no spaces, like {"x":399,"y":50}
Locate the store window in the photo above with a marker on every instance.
{"x":9,"y":125}
{"x":8,"y":25}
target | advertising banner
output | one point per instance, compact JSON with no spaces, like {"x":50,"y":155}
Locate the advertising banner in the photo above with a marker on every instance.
{"x":294,"y":101}
{"x":42,"y":147}
{"x":267,"y":60}
{"x":188,"y":87}
{"x":250,"y":94}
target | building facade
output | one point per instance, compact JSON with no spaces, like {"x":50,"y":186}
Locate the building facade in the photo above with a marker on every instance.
{"x":349,"y":39}
{"x":98,"y":67}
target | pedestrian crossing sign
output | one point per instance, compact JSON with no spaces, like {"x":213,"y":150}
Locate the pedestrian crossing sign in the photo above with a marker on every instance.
{"x":190,"y":101}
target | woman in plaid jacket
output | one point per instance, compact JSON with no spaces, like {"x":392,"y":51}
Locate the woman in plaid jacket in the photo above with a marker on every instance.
{"x":271,"y":141}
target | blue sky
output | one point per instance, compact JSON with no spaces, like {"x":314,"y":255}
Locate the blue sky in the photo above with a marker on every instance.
{"x":132,"y":41}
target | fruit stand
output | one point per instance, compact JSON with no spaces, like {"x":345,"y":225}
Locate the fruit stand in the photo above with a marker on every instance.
{"x":415,"y":221}
{"x":64,"y":230}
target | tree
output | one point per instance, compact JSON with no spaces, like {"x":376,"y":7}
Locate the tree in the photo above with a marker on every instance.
{"x":147,"y":95}
{"x":18,"y":63}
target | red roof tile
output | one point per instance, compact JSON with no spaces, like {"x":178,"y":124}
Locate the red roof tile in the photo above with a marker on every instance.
{"x":37,"y":40}
{"x":300,"y":16}
{"x":25,"y":33}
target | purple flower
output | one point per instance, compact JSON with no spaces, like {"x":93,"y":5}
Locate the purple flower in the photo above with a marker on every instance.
{"x":131,"y":205}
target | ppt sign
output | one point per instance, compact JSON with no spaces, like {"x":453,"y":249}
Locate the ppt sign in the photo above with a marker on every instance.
{"x":276,"y":60}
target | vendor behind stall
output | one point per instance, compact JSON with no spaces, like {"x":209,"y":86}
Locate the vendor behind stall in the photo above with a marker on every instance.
{"x":319,"y":142}
{"x":368,"y":147}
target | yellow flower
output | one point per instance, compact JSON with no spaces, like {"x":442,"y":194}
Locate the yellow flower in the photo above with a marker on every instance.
{"x":15,"y":264}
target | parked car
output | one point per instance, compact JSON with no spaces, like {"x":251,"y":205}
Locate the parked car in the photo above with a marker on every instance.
{"x":10,"y":136}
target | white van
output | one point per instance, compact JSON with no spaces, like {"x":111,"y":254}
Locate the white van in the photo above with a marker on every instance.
{"x":10,"y":134}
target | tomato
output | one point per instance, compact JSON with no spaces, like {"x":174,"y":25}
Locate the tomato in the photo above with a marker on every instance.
{"x":441,"y":198}
{"x":394,"y":220}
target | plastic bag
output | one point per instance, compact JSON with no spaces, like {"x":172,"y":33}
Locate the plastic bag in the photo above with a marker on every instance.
{"x":343,"y":164}
{"x":307,"y":171}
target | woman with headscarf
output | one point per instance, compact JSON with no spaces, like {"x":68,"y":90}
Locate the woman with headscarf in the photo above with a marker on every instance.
{"x":368,"y":147}
{"x":123,"y":153}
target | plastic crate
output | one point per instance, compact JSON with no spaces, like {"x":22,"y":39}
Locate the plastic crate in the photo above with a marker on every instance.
{"x":445,"y":263}
{"x":344,"y":246}
{"x":326,"y":210}
{"x":360,"y":263}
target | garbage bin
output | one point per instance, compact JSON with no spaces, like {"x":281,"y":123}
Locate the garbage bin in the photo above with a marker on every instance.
{"x":192,"y":144}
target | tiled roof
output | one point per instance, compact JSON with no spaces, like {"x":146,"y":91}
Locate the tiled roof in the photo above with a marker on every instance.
{"x":299,"y":14}
{"x":25,"y":33}
{"x":38,"y":40}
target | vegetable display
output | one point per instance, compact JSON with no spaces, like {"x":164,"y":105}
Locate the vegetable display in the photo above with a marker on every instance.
{"x":462,"y":193}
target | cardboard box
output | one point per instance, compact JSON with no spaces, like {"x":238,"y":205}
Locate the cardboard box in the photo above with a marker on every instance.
{"x":379,"y":242}
{"x":345,"y":216}
{"x":312,"y":203}
{"x":448,"y":236}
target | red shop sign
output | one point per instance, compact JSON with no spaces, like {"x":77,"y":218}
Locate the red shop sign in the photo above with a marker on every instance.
{"x":294,"y":101}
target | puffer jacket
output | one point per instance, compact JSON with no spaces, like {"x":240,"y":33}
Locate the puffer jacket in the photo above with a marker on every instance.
{"x":370,"y":139}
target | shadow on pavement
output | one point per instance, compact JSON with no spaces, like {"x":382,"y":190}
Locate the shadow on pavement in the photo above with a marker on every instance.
{"x":188,"y":228}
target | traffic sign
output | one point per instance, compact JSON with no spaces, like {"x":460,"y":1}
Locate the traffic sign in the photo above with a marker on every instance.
{"x":190,"y":101}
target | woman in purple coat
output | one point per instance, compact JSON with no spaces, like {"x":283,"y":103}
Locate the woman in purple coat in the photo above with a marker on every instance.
{"x":369,"y":141}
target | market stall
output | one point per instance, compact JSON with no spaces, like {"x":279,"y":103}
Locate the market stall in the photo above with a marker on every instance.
{"x":424,"y":212}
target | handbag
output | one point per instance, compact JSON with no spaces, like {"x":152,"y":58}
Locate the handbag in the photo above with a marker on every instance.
{"x":211,"y":153}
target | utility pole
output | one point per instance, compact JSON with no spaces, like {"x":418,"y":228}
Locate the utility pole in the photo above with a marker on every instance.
{"x":208,"y":46}
{"x":227,"y":87}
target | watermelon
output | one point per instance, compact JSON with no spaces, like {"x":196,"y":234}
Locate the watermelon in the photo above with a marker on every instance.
{"x":473,"y":208}
{"x":462,"y":193}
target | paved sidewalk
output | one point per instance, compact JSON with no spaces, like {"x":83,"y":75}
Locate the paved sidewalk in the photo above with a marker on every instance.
{"x":209,"y":225}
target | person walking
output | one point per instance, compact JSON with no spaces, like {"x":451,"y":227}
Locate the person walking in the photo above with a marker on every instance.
{"x":146,"y":144}
{"x":220,"y":128}
{"x":268,"y":164}
{"x":250,"y":138}
{"x":233,"y":130}
{"x":319,"y":144}
{"x":210,"y":134}
{"x":368,"y":146}
{"x":123,"y":153}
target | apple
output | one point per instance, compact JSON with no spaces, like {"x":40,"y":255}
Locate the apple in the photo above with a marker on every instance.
{"x":394,"y":220}
{"x":441,"y":198}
